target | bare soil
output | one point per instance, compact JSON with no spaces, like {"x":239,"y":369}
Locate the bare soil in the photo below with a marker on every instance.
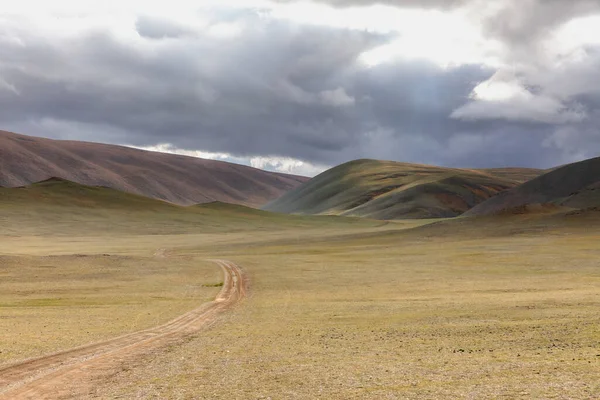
{"x":178,"y":179}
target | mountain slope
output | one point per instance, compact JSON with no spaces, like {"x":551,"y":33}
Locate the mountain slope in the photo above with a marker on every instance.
{"x":393,"y":190}
{"x":516,"y":174}
{"x":574,"y":185}
{"x":178,"y":179}
{"x":57,"y":192}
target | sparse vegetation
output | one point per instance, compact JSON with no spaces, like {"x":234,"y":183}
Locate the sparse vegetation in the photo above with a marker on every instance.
{"x":174,"y":178}
{"x":463,"y":308}
{"x":394,"y":190}
{"x":220,"y":284}
{"x":573,"y":185}
{"x":408,"y":314}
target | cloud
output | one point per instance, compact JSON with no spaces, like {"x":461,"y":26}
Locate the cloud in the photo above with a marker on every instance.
{"x":525,"y":107}
{"x":262,"y":94}
{"x":257,"y":86}
{"x":158,"y":28}
{"x":504,"y":96}
{"x":270,"y":163}
{"x":524,"y":24}
{"x":288,"y":165}
{"x":336,"y":98}
{"x":437,"y":4}
{"x":547,"y":56}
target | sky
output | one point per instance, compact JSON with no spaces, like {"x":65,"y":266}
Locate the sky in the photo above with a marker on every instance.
{"x":298,"y":86}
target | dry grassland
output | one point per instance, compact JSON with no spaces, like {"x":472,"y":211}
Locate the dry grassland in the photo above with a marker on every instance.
{"x":51,"y":303}
{"x":338,"y":312}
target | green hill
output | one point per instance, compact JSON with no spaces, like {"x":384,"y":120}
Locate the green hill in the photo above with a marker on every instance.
{"x":57,"y":192}
{"x":60,"y":207}
{"x":394,"y":190}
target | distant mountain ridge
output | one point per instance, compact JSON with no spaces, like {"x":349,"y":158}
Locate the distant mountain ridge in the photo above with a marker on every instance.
{"x":395,"y":190}
{"x":575,"y":185}
{"x":174,"y":178}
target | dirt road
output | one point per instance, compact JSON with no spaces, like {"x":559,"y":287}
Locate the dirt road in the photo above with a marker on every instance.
{"x":71,"y":373}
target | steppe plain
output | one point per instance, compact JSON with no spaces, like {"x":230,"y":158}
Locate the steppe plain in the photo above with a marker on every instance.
{"x":336,"y":308}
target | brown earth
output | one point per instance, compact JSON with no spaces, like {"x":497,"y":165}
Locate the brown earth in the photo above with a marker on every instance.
{"x":389,"y":190}
{"x":178,"y":179}
{"x":515,"y":173}
{"x":72,"y":373}
{"x":573,"y":185}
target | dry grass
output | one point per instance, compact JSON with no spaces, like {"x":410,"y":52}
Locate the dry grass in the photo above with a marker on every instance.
{"x":393,"y":190}
{"x":336,"y":312}
{"x":396,"y":316}
{"x":51,"y":303}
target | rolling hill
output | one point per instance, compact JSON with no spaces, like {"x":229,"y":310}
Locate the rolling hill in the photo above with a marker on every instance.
{"x":60,"y":207}
{"x":394,"y":190}
{"x":178,"y":179}
{"x":574,"y":185}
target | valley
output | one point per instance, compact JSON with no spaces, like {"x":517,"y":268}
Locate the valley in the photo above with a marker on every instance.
{"x":337,"y":307}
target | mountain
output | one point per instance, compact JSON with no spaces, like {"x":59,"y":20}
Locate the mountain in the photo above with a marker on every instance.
{"x":575,"y":185}
{"x":394,"y":190}
{"x":178,"y":179}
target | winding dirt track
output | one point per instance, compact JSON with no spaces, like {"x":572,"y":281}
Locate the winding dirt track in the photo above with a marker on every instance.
{"x":71,"y":373}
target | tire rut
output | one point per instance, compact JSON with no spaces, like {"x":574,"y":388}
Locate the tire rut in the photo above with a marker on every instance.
{"x":69,"y":373}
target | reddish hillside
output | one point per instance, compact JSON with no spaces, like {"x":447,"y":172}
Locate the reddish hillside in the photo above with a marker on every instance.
{"x":178,"y":179}
{"x":394,"y":190}
{"x":575,"y":185}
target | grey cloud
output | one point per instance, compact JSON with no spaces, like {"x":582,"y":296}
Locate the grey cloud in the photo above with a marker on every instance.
{"x":524,"y":28}
{"x":537,"y":108}
{"x":571,"y":79}
{"x":195,"y":93}
{"x":523,"y":23}
{"x":156,"y":28}
{"x":337,"y":98}
{"x":279,"y":89}
{"x":550,"y":81}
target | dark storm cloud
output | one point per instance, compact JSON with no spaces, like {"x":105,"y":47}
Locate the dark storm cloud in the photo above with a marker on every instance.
{"x":277,"y":89}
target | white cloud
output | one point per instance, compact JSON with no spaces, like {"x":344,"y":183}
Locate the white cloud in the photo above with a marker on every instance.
{"x":574,"y":34}
{"x":455,"y":39}
{"x":505,"y":96}
{"x":285,"y":165}
{"x":546,"y":64}
{"x":226,"y":30}
{"x":82,"y":7}
{"x":502,"y":86}
{"x":169,"y":148}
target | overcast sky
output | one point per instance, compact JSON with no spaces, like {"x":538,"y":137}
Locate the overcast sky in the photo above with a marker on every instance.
{"x":301,"y":86}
